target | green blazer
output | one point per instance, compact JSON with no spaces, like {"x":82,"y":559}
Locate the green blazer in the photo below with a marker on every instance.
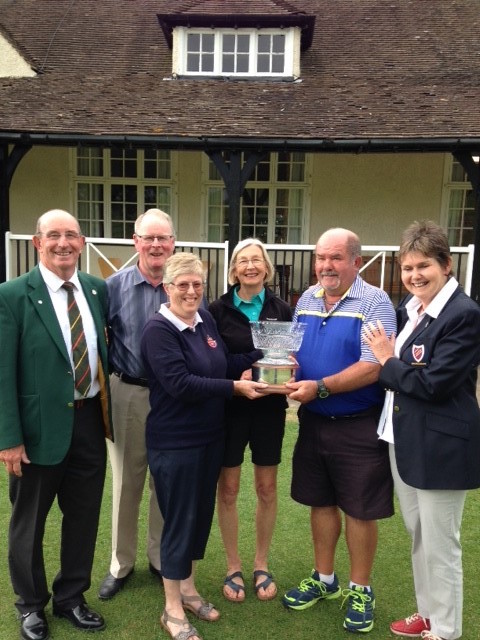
{"x":36,"y":377}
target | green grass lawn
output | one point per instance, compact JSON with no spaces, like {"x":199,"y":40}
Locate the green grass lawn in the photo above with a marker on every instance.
{"x":134,"y":613}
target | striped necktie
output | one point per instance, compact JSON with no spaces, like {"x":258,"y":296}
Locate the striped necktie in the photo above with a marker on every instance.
{"x":83,"y":376}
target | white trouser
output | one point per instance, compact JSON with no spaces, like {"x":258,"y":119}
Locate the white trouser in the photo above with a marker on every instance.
{"x":128,"y":458}
{"x":433,"y":519}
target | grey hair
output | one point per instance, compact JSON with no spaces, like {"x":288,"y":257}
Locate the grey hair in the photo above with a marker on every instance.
{"x":154,"y":213}
{"x":243,"y":244}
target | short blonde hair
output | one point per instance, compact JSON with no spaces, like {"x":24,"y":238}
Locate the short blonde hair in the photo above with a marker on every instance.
{"x":243,"y":244}
{"x":181,"y":264}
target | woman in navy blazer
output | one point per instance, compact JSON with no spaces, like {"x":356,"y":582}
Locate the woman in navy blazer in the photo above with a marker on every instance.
{"x":431,"y":418}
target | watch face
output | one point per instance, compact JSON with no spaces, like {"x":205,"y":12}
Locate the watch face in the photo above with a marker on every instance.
{"x":322,"y":391}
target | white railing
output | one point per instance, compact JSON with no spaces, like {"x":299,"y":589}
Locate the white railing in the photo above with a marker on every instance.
{"x":294,"y":266}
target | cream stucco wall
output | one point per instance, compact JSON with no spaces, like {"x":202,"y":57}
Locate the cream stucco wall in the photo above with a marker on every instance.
{"x":40,"y":182}
{"x":375,"y":195}
{"x":12,"y":65}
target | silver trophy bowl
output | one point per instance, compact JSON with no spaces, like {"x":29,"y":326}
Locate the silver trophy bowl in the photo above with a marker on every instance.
{"x":278,"y":341}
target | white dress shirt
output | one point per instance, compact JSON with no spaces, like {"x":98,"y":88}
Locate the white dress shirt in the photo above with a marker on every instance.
{"x":58,"y":296}
{"x":385,"y":424}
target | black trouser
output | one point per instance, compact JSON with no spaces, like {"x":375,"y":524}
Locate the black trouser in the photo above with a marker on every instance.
{"x":77,"y":483}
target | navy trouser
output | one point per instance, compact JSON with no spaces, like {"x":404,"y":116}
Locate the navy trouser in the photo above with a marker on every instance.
{"x":186,"y":485}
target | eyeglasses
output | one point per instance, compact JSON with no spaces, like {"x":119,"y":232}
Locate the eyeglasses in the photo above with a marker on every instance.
{"x":151,"y":239}
{"x":185,"y":286}
{"x":243,"y":262}
{"x":54,"y":236}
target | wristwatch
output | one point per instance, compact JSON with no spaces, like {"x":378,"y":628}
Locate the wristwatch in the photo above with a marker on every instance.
{"x":322,"y":391}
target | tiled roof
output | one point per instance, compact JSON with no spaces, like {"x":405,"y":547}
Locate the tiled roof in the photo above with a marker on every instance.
{"x":376,"y":69}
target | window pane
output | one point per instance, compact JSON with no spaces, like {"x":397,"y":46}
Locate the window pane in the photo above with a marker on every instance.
{"x":90,"y":162}
{"x":291,"y":167}
{"x":242,"y":64}
{"x":264,"y":43}
{"x":243,"y":43}
{"x":207,"y":63}
{"x":278,"y":44}
{"x":123,"y":163}
{"x":228,"y":63}
{"x":157,"y":164}
{"x":228,"y":43}
{"x":208,"y":42}
{"x":158,"y":197}
{"x":193,"y":42}
{"x":278,"y":64}
{"x":263,"y":64}
{"x":193,"y":62}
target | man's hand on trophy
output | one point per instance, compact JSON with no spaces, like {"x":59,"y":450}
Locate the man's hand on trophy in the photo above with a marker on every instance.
{"x":303,"y":391}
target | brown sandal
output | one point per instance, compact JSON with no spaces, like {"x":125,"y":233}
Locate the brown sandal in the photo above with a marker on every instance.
{"x":203,"y":611}
{"x":188,"y":630}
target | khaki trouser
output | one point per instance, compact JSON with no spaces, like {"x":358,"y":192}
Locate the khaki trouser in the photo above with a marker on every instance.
{"x":128,"y":458}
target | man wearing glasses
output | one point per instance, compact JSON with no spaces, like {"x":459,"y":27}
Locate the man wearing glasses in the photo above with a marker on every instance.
{"x":54,"y":416}
{"x":135,"y":295}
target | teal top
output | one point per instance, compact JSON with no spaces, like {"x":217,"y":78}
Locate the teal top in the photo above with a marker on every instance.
{"x":250,"y":308}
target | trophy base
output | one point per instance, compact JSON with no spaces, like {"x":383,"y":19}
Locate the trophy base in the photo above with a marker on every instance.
{"x":275,"y":375}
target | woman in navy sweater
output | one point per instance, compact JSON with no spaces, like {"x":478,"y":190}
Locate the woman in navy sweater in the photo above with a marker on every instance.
{"x":190,"y":377}
{"x":260,"y":425}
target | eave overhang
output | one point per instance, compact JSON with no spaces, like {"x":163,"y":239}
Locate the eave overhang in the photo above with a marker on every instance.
{"x":168,"y":22}
{"x":201,"y":143}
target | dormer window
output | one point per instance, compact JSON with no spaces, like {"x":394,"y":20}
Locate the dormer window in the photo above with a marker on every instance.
{"x":236,"y":52}
{"x":237,"y":45}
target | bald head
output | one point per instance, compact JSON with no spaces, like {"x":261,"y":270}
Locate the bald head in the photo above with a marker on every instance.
{"x":56,"y":214}
{"x":337,"y":260}
{"x":343,"y":236}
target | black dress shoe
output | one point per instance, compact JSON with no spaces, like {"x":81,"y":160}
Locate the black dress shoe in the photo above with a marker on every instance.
{"x":33,"y":626}
{"x":111,"y":586}
{"x":81,"y":617}
{"x":155,"y":572}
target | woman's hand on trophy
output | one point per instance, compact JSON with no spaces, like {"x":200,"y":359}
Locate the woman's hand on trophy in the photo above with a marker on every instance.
{"x":246,"y":375}
{"x":303,"y":391}
{"x":249,"y":388}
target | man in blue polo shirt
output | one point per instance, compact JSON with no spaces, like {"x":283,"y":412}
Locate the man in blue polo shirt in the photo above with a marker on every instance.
{"x":339,"y":464}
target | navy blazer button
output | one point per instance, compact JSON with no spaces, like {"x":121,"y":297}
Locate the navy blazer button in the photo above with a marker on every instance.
{"x":396,"y":408}
{"x":70,"y":404}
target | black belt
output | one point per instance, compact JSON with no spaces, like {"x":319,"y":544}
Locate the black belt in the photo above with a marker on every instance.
{"x":140,"y":382}
{"x":79,"y":404}
{"x":373,"y":411}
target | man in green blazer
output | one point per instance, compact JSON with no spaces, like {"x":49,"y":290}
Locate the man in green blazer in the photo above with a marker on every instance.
{"x":52,"y":435}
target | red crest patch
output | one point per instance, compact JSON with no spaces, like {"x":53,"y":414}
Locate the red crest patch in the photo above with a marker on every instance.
{"x":211,"y":342}
{"x":418,"y":351}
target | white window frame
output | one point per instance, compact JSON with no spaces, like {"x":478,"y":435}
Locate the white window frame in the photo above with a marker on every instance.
{"x":273,"y":186}
{"x":451,"y":186}
{"x":291,"y":52}
{"x":107,"y":181}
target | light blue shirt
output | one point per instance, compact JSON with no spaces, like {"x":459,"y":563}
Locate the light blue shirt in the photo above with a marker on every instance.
{"x":132,"y":300}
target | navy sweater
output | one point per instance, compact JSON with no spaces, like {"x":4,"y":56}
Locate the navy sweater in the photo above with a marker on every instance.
{"x":187,"y":373}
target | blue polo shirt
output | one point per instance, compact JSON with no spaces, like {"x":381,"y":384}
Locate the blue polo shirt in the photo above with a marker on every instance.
{"x":333,"y":341}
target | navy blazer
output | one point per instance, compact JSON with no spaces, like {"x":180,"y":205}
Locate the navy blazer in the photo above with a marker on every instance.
{"x":436,"y":417}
